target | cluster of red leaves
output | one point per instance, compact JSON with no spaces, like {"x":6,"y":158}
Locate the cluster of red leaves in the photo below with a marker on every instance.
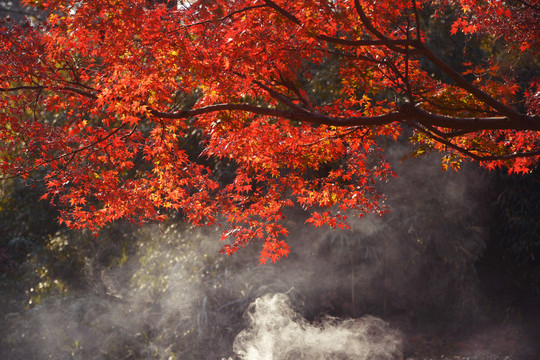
{"x":104,"y":95}
{"x":518,"y":22}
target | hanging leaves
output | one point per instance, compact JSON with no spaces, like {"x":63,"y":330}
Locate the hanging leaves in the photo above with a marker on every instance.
{"x":109,"y":97}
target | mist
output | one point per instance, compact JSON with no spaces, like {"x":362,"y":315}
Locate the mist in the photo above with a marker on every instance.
{"x":277,"y":331}
{"x":399,"y":286}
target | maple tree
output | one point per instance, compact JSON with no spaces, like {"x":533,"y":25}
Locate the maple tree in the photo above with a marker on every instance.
{"x":105,"y":97}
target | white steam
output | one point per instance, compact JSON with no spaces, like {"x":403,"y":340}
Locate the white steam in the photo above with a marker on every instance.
{"x":172,"y":296}
{"x":277,"y":331}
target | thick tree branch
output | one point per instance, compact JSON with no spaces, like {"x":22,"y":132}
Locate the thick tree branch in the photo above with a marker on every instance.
{"x":283,"y":12}
{"x":295,"y":115}
{"x":405,"y":113}
{"x":417,"y":21}
{"x":471,"y":123}
{"x":79,"y":91}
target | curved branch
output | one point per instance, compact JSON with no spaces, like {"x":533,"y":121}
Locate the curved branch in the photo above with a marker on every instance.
{"x":79,"y":91}
{"x":407,"y":111}
{"x":390,"y":43}
{"x":281,"y":98}
{"x":283,"y":12}
{"x":471,"y":123}
{"x":42,"y":87}
{"x":435,"y":136}
{"x":295,"y":115}
{"x":444,"y":141}
{"x":230,"y":15}
{"x":466,"y":85}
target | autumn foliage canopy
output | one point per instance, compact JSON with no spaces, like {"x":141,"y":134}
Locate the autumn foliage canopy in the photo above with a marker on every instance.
{"x":231,"y":111}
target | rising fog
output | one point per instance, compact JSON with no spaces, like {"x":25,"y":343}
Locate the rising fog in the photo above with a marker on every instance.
{"x":382,"y":290}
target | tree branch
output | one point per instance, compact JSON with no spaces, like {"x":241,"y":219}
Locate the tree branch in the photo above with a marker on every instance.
{"x":530,"y":6}
{"x":42,"y":87}
{"x":447,"y":69}
{"x":283,"y":12}
{"x":295,"y":115}
{"x":464,"y":84}
{"x":19,"y":88}
{"x":417,"y":21}
{"x":347,"y":42}
{"x":468,"y":152}
{"x":470,"y":123}
{"x":231,"y":14}
{"x":384,"y":39}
